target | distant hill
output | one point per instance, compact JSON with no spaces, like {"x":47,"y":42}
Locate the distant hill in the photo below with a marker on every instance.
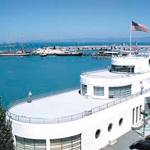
{"x":141,"y":39}
{"x":88,"y":40}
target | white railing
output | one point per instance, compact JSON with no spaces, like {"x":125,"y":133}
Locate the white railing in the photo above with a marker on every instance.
{"x":72,"y":117}
{"x":119,"y":75}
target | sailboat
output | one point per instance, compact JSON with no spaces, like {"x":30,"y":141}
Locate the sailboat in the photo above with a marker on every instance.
{"x":20,"y":53}
{"x":71,"y":53}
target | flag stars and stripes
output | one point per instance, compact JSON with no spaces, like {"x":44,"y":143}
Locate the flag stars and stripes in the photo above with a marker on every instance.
{"x":138,"y":27}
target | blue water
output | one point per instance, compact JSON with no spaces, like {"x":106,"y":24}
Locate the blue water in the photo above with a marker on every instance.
{"x":19,"y":75}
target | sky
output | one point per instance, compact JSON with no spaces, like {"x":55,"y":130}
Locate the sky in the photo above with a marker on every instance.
{"x":71,"y":19}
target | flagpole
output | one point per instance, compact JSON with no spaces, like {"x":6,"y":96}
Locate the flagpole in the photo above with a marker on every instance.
{"x":130,"y":36}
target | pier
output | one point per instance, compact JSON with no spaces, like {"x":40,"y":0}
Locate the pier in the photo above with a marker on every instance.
{"x":96,"y":51}
{"x":103,"y":47}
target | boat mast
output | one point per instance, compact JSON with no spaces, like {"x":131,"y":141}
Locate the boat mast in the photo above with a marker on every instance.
{"x":22,"y":48}
{"x":9,"y":45}
{"x":76,"y":46}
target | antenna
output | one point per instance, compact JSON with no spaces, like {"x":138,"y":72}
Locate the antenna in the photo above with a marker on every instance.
{"x":76,"y":45}
{"x":9,"y":42}
{"x":22,"y":48}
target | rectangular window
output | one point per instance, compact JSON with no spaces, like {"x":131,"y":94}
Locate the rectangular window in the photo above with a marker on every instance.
{"x":129,"y":69}
{"x":30,"y":144}
{"x":140,"y":112}
{"x":84,"y":89}
{"x":19,"y":143}
{"x":69,"y":143}
{"x":133,"y":111}
{"x":137,"y":109}
{"x":119,"y":92}
{"x":98,"y":91}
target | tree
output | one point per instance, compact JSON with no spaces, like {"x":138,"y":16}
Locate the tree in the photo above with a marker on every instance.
{"x":6,"y":137}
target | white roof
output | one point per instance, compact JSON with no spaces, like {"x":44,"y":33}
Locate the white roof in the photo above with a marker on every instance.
{"x":106,"y":74}
{"x":61,"y":105}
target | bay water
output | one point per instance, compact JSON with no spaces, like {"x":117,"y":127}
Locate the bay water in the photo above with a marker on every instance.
{"x":19,"y":75}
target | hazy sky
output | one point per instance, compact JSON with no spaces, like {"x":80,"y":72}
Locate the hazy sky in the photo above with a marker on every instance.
{"x":63,"y":19}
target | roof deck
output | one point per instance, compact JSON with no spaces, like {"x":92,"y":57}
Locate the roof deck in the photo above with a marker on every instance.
{"x":60,"y":108}
{"x":57,"y":106}
{"x":106,"y":74}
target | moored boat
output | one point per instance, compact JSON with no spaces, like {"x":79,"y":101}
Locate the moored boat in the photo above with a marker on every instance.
{"x":15,"y":54}
{"x":43,"y":55}
{"x":70,"y":54}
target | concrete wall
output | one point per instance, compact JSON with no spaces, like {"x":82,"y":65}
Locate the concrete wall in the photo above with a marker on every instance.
{"x":136,"y":80}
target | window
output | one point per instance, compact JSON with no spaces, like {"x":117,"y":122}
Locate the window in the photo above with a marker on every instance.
{"x":84,"y":89}
{"x":119,"y":92}
{"x":140,"y":112}
{"x":137,"y":109}
{"x":69,"y":143}
{"x":133,"y":111}
{"x":129,"y":69}
{"x":110,"y":127}
{"x":32,"y":144}
{"x":98,"y":91}
{"x":120,"y":121}
{"x":97,"y":134}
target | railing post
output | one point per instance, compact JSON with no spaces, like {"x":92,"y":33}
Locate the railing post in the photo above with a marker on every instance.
{"x":107,"y":105}
{"x":99,"y":108}
{"x":71,"y":118}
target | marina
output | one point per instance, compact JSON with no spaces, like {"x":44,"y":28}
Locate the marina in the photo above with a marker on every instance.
{"x":101,"y":51}
{"x":74,"y":75}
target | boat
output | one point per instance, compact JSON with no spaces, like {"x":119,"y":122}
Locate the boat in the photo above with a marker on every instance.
{"x":107,"y":105}
{"x":70,"y":54}
{"x":49,"y":51}
{"x":16,"y":53}
{"x":43,"y":55}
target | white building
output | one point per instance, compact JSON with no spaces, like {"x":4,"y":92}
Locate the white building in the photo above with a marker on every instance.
{"x":107,"y":106}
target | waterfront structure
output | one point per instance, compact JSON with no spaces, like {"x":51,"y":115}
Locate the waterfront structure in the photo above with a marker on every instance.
{"x":49,"y":51}
{"x":106,"y":107}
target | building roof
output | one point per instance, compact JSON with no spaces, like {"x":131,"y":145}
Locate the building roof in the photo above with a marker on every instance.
{"x":106,"y":74}
{"x":61,"y":105}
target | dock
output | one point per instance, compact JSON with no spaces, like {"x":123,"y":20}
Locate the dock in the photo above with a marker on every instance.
{"x":103,"y":47}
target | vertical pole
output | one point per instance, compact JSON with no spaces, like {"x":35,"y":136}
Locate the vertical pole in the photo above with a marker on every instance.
{"x":22,"y":43}
{"x":76,"y":47}
{"x":9,"y":43}
{"x":130,"y":36}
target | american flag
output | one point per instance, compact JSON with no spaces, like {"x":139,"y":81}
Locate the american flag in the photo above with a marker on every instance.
{"x":138,"y":27}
